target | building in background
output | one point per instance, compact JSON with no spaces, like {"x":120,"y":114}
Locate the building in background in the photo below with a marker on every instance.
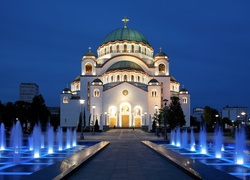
{"x":235,"y":114}
{"x":27,"y":91}
{"x":123,"y":86}
{"x":197,"y":113}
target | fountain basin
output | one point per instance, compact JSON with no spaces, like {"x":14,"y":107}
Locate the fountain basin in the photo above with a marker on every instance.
{"x":191,"y":166}
{"x":47,"y":166}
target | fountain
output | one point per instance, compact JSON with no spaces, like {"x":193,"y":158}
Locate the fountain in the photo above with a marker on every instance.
{"x":203,"y":140}
{"x":178,"y":136}
{"x":173,"y":137}
{"x":240,"y":145}
{"x":16,"y":141}
{"x":50,"y":138}
{"x":227,"y":157}
{"x":21,"y":155}
{"x":68,"y":138}
{"x":184,"y":137}
{"x":59,"y":138}
{"x":2,"y":137}
{"x":36,"y":137}
{"x":218,"y":142}
{"x":192,"y":141}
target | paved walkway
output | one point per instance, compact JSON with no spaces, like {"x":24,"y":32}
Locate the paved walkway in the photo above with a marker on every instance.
{"x":127,"y":158}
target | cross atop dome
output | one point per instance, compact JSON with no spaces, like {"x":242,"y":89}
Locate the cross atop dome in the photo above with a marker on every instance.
{"x":125,"y":20}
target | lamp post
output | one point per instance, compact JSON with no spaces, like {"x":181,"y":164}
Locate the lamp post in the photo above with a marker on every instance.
{"x":217,"y":122}
{"x":145,"y":113}
{"x":105,"y":118}
{"x":93,"y":124}
{"x":165,"y":118}
{"x":244,"y":115}
{"x":156,"y":107}
{"x":81,"y":104}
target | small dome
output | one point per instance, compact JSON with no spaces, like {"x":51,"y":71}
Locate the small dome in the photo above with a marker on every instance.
{"x":122,"y":65}
{"x":153,"y":82}
{"x":125,"y":33}
{"x":66,"y":91}
{"x":96,"y":82}
{"x":89,"y":53}
{"x":160,"y":53}
{"x":183,"y":90}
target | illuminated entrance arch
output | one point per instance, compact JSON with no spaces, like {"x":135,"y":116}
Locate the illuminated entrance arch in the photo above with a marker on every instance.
{"x":112,"y":116}
{"x":137,"y":116}
{"x":125,"y":115}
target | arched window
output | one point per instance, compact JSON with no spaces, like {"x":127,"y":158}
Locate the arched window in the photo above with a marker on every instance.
{"x":125,"y":48}
{"x":154,"y":93}
{"x":145,"y":51}
{"x":118,"y":77}
{"x":184,"y":100}
{"x":112,"y":79}
{"x":137,"y":112}
{"x":88,"y":68}
{"x":139,"y":49}
{"x":117,"y":48}
{"x":138,"y":79}
{"x":125,"y":78}
{"x":105,"y":51}
{"x":110,"y":49}
{"x":65,"y":100}
{"x":132,"y":78}
{"x":133,"y":48}
{"x":107,"y":79}
{"x":96,"y":93}
{"x":162,"y":68}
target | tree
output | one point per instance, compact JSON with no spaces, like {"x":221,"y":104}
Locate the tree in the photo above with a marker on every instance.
{"x":39,"y":111}
{"x":96,"y":126}
{"x":209,"y":116}
{"x":175,"y":113}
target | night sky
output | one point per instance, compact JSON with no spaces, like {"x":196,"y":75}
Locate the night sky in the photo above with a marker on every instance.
{"x":207,"y":42}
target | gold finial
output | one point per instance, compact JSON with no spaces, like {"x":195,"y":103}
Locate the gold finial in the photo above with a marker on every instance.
{"x":89,"y":49}
{"x":160,"y":49}
{"x":125,"y":20}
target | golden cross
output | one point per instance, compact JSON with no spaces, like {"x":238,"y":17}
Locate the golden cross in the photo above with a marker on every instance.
{"x":125,"y":20}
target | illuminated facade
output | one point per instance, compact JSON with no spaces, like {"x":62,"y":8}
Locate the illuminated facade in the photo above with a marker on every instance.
{"x":123,"y":85}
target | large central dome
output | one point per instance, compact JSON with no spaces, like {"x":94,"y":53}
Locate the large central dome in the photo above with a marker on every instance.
{"x":125,"y":33}
{"x":122,"y":65}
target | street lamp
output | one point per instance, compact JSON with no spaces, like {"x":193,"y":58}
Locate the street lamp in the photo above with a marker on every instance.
{"x":105,"y":117}
{"x":156,"y":107}
{"x":81,"y":104}
{"x":93,"y":107}
{"x":244,"y":116}
{"x":145,"y":118}
{"x":165,"y":119}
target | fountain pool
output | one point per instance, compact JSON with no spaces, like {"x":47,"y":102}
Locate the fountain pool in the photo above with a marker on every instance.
{"x":233,"y":159}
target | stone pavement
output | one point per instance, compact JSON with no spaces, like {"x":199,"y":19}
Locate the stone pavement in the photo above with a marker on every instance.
{"x":127,"y":158}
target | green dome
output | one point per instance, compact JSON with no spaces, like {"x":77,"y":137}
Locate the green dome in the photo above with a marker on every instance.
{"x":125,"y":34}
{"x":128,"y":65}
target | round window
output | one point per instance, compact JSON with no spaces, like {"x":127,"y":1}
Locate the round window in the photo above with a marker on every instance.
{"x":125,"y":92}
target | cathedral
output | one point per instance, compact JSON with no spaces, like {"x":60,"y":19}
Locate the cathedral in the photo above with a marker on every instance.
{"x":122,"y":86}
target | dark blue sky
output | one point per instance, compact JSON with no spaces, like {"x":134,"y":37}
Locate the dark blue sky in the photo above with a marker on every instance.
{"x":208,"y":43}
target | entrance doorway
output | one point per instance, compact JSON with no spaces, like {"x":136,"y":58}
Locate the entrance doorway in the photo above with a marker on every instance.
{"x":112,"y":122}
{"x":125,"y":120}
